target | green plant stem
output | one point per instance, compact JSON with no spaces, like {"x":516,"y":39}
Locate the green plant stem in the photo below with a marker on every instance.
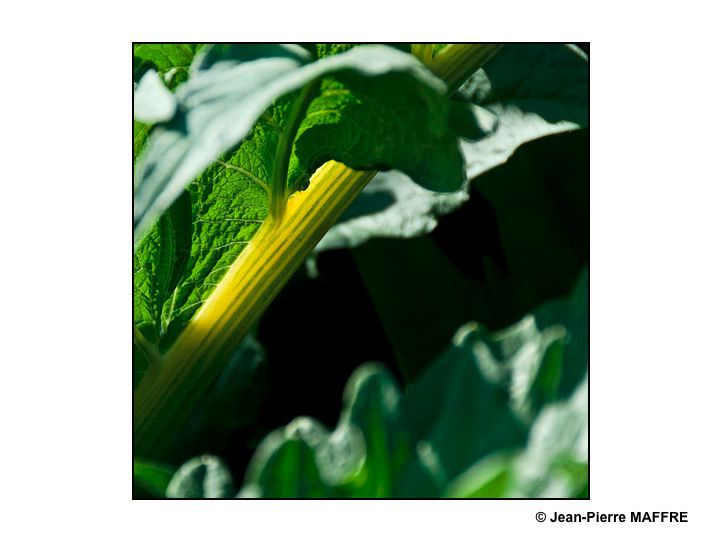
{"x":169,"y":393}
{"x":278,"y":195}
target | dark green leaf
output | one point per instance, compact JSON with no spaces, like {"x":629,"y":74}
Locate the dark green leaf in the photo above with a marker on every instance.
{"x":285,"y":464}
{"x":158,"y":265}
{"x":372,"y":405}
{"x":390,"y":121}
{"x":573,"y":312}
{"x":541,"y":200}
{"x":533,"y":90}
{"x":460,"y":409}
{"x":526,"y":92}
{"x":420,"y":297}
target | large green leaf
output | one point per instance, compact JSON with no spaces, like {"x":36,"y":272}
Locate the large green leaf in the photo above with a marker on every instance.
{"x":533,"y":90}
{"x":541,"y":200}
{"x":526,"y":92}
{"x":232,"y":85}
{"x":371,"y":123}
{"x":230,"y":197}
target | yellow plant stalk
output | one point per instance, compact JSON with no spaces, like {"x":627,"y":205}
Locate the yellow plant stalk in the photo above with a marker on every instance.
{"x":457,"y":62}
{"x":423,"y":52}
{"x":169,"y":393}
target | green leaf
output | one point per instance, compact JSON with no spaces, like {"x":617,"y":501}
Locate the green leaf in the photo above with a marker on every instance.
{"x":158,"y":265}
{"x":526,"y":92}
{"x":524,"y":359}
{"x":285,"y":464}
{"x":171,"y":60}
{"x":204,"y":477}
{"x":554,"y":464}
{"x":392,"y":205}
{"x":541,"y":200}
{"x":229,"y":89}
{"x":372,"y":404}
{"x":460,"y":408}
{"x":140,"y":135}
{"x":420,"y":310}
{"x":390,"y":121}
{"x":328,"y":49}
{"x":573,"y":313}
{"x":360,"y":458}
{"x":533,"y":90}
{"x":491,"y":478}
{"x":152,"y":477}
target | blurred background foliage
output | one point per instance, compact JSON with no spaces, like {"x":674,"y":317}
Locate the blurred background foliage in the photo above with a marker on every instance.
{"x":452,"y":363}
